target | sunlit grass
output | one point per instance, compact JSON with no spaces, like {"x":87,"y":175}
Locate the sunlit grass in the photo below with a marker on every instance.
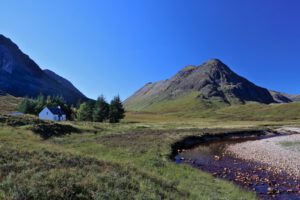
{"x":123,"y":161}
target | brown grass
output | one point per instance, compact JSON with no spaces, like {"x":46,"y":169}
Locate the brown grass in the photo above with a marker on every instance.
{"x":8,"y":104}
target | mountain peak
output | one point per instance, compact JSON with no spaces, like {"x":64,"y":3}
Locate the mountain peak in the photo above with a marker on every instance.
{"x":215,"y":61}
{"x":20,"y":76}
{"x":215,"y":65}
{"x":213,"y":80}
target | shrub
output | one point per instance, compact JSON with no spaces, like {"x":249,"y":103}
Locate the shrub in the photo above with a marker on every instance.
{"x":47,"y":130}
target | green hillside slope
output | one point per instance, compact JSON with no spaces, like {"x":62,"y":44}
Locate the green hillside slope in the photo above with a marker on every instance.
{"x":8,"y":103}
{"x":189,"y":106}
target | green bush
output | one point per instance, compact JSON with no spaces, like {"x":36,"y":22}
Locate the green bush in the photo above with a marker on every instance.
{"x":47,"y":130}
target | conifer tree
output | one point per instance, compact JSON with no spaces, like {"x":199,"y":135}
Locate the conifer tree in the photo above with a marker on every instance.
{"x":26,"y":106}
{"x":116,"y":110}
{"x":39,"y":104}
{"x":101,"y":110}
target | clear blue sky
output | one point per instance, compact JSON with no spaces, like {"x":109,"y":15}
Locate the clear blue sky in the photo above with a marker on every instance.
{"x":115,"y":47}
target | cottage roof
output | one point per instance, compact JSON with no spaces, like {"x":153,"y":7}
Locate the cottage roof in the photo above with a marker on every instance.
{"x":56,"y":110}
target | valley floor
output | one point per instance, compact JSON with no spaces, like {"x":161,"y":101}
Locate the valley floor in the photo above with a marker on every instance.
{"x":103,"y":161}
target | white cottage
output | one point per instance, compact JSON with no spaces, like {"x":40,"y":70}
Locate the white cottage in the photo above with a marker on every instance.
{"x":53,"y":113}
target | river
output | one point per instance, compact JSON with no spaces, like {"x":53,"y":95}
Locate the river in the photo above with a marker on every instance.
{"x":211,"y":156}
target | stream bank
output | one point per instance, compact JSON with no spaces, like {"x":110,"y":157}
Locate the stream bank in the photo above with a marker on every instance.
{"x":208,"y":153}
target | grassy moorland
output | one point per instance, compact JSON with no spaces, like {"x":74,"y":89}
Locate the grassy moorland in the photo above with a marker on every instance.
{"x":103,"y":161}
{"x":130,"y":160}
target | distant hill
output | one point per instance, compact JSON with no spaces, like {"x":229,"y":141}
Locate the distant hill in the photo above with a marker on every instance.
{"x":195,"y":87}
{"x":295,"y":97}
{"x":280,"y":97}
{"x":20,"y":76}
{"x":284,"y":98}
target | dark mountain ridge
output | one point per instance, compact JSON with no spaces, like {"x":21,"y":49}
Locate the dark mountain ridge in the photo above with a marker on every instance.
{"x":20,"y":76}
{"x":212,"y":80}
{"x":62,"y":81}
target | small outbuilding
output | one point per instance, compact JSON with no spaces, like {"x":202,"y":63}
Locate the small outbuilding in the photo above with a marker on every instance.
{"x":53,"y":113}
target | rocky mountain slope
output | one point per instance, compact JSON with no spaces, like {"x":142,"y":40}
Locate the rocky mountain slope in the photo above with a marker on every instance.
{"x":211,"y":81}
{"x":295,"y":97}
{"x":280,"y":97}
{"x":20,"y":76}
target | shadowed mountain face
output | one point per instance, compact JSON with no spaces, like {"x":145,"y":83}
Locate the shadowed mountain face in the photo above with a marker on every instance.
{"x":212,"y":80}
{"x":62,"y":81}
{"x":20,"y":76}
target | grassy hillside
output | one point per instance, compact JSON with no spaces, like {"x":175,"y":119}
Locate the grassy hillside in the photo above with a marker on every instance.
{"x":8,"y":103}
{"x":187,"y":103}
{"x":189,"y":107}
{"x":103,"y":161}
{"x":273,"y":112}
{"x":248,"y":112}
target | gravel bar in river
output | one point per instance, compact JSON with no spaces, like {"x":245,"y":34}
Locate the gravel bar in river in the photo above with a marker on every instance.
{"x":283,"y":152}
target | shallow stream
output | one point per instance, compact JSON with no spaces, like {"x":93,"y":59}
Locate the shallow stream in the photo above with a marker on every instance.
{"x":266,"y":181}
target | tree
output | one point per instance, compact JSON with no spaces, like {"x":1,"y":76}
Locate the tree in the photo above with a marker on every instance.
{"x":85,"y":111}
{"x":26,"y":106}
{"x":101,"y":110}
{"x":116,"y":110}
{"x":82,"y":113}
{"x":39,"y":102}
